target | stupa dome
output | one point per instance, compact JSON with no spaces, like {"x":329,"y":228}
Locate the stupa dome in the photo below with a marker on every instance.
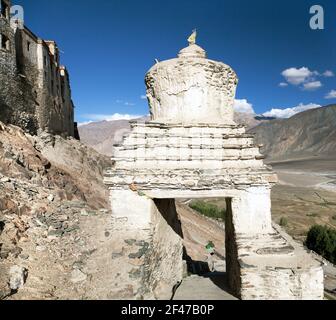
{"x":191,"y":89}
{"x":192,"y":51}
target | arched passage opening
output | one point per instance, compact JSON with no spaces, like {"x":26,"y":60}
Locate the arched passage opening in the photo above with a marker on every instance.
{"x":195,"y":224}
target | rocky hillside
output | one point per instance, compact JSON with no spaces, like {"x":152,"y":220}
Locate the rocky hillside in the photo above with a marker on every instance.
{"x":307,"y":134}
{"x":51,"y":190}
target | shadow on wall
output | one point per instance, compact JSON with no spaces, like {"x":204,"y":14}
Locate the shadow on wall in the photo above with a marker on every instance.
{"x":168,"y":211}
{"x":4,"y":112}
{"x":221,"y":280}
{"x":167,"y":208}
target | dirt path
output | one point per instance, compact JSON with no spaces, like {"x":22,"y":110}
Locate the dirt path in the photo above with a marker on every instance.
{"x":210,"y":287}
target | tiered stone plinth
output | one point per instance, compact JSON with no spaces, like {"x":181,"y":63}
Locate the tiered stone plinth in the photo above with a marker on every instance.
{"x":188,"y":157}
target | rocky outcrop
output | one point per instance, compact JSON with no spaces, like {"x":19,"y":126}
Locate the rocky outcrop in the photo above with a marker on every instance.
{"x":49,"y":216}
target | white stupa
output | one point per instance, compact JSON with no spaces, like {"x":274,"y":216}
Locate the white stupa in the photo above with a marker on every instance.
{"x":191,"y":148}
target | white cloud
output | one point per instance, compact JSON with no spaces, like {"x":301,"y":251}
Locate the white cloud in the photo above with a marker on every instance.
{"x":296,"y":76}
{"x":311,"y":86}
{"x":143,"y":97}
{"x":306,"y":79}
{"x":243,"y":106}
{"x":126,"y":103}
{"x":328,"y":74}
{"x":113,"y":117}
{"x":289,"y":112}
{"x":80,"y":124}
{"x":331,"y":95}
{"x":283,"y":84}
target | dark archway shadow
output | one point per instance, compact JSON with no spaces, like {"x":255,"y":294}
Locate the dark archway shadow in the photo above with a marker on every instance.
{"x":220,"y":280}
{"x":201,"y":268}
{"x":167,"y":209}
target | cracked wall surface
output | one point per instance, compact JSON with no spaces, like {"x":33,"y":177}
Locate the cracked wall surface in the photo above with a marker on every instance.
{"x":191,"y":89}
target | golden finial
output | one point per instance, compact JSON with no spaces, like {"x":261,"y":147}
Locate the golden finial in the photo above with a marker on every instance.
{"x":192,"y":38}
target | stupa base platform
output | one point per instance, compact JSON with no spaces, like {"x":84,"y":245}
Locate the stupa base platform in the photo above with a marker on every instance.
{"x":263,"y":263}
{"x":273,"y":267}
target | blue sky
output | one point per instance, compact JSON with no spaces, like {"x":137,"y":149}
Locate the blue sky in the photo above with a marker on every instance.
{"x":109,"y":45}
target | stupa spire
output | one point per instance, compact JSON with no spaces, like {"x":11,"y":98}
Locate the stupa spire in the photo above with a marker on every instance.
{"x":192,"y":38}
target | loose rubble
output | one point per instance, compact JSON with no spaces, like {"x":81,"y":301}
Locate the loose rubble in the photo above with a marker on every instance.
{"x":43,"y":233}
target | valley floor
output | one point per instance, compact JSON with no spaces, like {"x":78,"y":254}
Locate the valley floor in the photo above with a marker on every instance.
{"x":314,"y":173}
{"x":306,"y":194}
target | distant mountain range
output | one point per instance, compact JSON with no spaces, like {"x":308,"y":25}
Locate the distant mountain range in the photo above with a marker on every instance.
{"x":102,"y":135}
{"x":306,"y":134}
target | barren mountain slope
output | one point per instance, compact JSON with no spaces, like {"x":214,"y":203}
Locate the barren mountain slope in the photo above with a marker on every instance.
{"x":198,"y":231}
{"x":102,"y":135}
{"x":306,"y":134}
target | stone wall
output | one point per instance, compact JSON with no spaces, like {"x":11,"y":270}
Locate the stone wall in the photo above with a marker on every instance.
{"x":282,"y":284}
{"x":149,"y":247}
{"x":165,"y":263}
{"x":34,"y":89}
{"x":275,"y":267}
{"x":17,"y":95}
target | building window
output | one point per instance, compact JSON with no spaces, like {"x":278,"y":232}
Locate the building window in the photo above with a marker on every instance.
{"x":28,"y":45}
{"x":45,"y":61}
{"x":4,"y":10}
{"x":5,"y":43}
